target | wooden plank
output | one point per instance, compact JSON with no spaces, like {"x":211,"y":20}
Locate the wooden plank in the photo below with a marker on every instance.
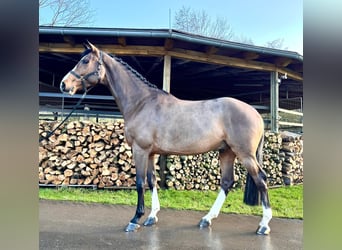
{"x":210,"y":50}
{"x":175,"y":52}
{"x":282,"y":62}
{"x":162,"y":164}
{"x":295,"y":124}
{"x":168,"y":44}
{"x":290,"y":112}
{"x":115,"y":49}
{"x":122,"y":41}
{"x":167,"y":73}
{"x":250,"y":55}
{"x":274,"y":105}
{"x":222,"y":60}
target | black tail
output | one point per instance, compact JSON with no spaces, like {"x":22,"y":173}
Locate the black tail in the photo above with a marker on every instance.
{"x":252,"y":195}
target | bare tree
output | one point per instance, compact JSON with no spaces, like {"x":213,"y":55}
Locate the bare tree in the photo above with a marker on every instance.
{"x":65,"y":12}
{"x":199,"y":22}
{"x":243,"y":39}
{"x":43,"y":3}
{"x":276,"y":44}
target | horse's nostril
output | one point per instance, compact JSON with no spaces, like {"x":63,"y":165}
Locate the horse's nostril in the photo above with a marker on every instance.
{"x":62,"y":86}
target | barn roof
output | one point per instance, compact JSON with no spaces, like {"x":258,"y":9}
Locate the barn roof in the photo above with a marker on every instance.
{"x":201,"y":67}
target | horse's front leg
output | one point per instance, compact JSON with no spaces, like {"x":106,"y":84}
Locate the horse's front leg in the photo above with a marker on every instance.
{"x":152,"y":183}
{"x":141,"y":162}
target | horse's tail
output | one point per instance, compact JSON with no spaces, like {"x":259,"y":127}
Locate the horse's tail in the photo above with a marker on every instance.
{"x":251,"y":195}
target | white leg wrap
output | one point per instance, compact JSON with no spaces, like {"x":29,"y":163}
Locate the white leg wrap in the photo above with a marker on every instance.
{"x":155,"y":203}
{"x":266,"y":216}
{"x":215,"y":209}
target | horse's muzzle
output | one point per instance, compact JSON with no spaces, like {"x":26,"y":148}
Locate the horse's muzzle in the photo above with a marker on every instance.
{"x":62,"y":87}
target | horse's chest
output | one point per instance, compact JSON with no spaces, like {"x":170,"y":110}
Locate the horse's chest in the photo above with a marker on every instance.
{"x":139,"y":133}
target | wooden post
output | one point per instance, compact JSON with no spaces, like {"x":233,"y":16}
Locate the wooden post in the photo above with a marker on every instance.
{"x":166,"y":87}
{"x":167,"y":73}
{"x":162,"y":165}
{"x":274,"y":101}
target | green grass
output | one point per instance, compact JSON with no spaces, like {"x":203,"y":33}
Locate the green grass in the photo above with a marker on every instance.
{"x":287,"y":202}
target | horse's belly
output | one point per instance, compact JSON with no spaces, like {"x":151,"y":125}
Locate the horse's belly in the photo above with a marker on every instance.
{"x":190,"y":143}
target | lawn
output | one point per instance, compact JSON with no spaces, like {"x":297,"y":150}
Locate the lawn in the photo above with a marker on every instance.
{"x":286,"y":202}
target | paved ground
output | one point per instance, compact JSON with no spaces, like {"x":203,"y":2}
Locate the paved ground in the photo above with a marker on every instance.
{"x":67,"y":225}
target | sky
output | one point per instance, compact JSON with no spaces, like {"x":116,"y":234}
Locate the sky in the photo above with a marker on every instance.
{"x":260,"y":20}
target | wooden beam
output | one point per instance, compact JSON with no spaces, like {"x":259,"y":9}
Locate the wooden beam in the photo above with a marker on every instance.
{"x":282,"y":62}
{"x":210,"y":50}
{"x":294,"y":124}
{"x":175,"y":52}
{"x":274,"y":105}
{"x":115,"y":49}
{"x":250,"y":55}
{"x":290,"y":112}
{"x":69,"y":39}
{"x":222,"y":60}
{"x":122,"y":41}
{"x":167,"y":73}
{"x":168,"y":44}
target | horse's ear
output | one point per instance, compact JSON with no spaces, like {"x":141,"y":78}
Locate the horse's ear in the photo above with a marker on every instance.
{"x":87,"y":45}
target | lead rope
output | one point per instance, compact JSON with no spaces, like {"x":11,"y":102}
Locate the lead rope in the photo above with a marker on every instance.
{"x":66,"y":118}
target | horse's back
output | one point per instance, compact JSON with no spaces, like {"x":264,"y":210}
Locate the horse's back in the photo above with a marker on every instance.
{"x":215,"y":121}
{"x":228,"y":111}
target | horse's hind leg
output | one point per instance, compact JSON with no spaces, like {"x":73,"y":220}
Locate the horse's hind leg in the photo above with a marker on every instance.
{"x":256,"y":182}
{"x":227,"y":158}
{"x":152,"y":183}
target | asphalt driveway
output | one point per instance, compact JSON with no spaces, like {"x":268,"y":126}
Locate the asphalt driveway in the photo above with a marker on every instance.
{"x":69,"y":225}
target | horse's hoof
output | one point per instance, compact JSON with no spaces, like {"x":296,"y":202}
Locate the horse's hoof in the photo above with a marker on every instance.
{"x":262,"y":230}
{"x":150,"y":221}
{"x":132,"y":227}
{"x":204,"y":223}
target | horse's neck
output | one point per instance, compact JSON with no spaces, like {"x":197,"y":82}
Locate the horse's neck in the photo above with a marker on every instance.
{"x":127,"y":91}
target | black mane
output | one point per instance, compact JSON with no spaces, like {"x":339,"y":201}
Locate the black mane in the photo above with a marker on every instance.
{"x":137,"y":74}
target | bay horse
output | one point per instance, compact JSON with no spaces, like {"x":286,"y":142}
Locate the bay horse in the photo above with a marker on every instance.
{"x":157,"y":122}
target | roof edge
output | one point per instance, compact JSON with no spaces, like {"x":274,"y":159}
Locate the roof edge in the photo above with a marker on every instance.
{"x":166,"y":33}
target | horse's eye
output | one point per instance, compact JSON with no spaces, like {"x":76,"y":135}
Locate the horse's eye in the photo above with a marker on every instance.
{"x":85,"y":61}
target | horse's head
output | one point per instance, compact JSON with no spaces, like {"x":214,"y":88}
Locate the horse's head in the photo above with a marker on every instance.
{"x":88,"y":72}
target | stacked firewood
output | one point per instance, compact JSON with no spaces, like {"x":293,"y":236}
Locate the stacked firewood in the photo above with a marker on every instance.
{"x":200,"y":172}
{"x":85,"y":153}
{"x":273,"y":158}
{"x":292,"y":166}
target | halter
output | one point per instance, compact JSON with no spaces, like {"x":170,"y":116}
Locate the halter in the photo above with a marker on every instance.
{"x":82,"y":79}
{"x":85,"y":78}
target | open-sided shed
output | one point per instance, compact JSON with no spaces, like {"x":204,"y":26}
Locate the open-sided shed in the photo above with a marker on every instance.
{"x":189,"y":66}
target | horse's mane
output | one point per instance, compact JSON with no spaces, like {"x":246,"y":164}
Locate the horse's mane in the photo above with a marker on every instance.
{"x":129,"y":68}
{"x":137,"y":74}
